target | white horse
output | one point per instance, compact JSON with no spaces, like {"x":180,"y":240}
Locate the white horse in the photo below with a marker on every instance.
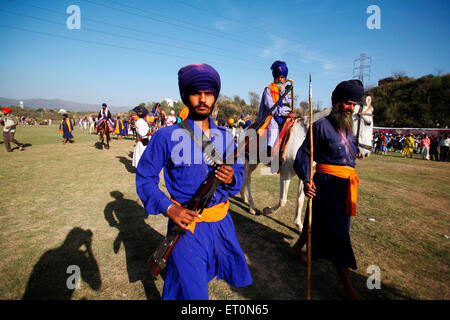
{"x":362,"y":129}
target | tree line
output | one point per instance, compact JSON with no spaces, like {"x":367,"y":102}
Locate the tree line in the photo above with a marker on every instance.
{"x":412,"y":103}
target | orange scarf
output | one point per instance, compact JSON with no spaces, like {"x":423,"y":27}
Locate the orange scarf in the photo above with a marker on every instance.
{"x":345,"y":173}
{"x":184,"y":113}
{"x":69,"y":126}
{"x":213,"y":214}
{"x":275,"y":96}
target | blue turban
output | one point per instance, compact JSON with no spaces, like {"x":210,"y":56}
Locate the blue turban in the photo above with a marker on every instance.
{"x":352,"y":90}
{"x":104,"y":105}
{"x":279,"y":68}
{"x":65,"y":115}
{"x":141,"y":111}
{"x":196,"y":77}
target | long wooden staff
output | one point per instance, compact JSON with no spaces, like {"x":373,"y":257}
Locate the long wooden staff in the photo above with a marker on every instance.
{"x":311,"y":149}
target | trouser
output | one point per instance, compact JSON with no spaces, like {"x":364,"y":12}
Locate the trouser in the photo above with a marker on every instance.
{"x":8,"y":137}
{"x":425,"y":153}
{"x":444,"y":153}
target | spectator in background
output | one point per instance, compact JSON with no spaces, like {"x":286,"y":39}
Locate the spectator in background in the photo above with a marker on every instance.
{"x":444,"y":145}
{"x":434,"y":145}
{"x":425,"y":147}
{"x":9,"y":130}
{"x":171,"y":120}
{"x":66,"y":128}
{"x":231,"y":127}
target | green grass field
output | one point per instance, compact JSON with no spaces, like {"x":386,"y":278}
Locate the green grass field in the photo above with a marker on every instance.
{"x":54,"y":194}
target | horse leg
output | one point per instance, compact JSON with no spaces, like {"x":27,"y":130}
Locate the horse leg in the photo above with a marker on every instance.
{"x":285,"y":180}
{"x":300,"y":200}
{"x":101,"y":139}
{"x":107,"y":140}
{"x":252,"y":207}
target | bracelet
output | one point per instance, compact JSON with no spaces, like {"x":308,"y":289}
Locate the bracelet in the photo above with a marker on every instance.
{"x":168,"y":209}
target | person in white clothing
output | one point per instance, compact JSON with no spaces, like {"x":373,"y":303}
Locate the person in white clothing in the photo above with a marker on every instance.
{"x":171,"y":120}
{"x":143,"y":133}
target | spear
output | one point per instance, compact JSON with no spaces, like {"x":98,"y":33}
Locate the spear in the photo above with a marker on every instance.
{"x":308,"y":284}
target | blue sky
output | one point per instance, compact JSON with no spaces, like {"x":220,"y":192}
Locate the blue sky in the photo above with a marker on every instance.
{"x":128,"y":52}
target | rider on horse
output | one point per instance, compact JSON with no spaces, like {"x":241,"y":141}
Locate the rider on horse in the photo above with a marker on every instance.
{"x":269,"y":98}
{"x":105,"y":115}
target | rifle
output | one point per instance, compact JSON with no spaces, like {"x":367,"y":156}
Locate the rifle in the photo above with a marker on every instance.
{"x":200,"y":201}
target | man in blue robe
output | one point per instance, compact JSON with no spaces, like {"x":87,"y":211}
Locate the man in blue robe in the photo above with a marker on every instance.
{"x":334,"y":153}
{"x":209,"y":247}
{"x":270,"y":96}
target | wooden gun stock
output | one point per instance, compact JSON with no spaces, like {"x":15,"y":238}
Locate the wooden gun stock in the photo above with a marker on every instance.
{"x":201,"y":199}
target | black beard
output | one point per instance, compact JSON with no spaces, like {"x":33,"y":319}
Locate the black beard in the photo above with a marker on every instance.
{"x":196,"y":116}
{"x":340,"y":120}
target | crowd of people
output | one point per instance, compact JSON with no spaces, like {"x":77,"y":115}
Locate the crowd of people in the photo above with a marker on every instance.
{"x":430,"y":147}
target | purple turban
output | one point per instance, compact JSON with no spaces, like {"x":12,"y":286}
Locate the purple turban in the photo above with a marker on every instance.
{"x":279,"y":68}
{"x":196,"y":77}
{"x":352,"y":90}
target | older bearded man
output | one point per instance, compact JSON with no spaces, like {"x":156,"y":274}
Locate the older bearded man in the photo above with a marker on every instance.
{"x":334,"y":186}
{"x":269,"y":98}
{"x":209,"y":247}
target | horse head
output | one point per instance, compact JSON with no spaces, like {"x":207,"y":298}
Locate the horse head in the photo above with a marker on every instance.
{"x":363,"y":128}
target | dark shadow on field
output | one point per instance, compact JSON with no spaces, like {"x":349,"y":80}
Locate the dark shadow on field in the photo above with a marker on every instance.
{"x":138,"y":238}
{"x":237,"y":201}
{"x":278,"y":275}
{"x":51,"y":275}
{"x":128,"y":164}
{"x":99,"y":145}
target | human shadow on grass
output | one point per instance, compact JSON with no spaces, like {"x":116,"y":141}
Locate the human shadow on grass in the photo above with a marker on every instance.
{"x":127,"y":163}
{"x":278,"y":275}
{"x":54,"y":277}
{"x":138,"y":238}
{"x":237,"y":201}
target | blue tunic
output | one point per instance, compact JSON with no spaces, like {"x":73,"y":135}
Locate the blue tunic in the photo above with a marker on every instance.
{"x":213,"y":249}
{"x":66,"y":133}
{"x":279,"y":114}
{"x":330,"y":236}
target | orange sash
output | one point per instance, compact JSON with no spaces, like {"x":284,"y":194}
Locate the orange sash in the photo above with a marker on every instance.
{"x":184,"y":113}
{"x":275,"y":96}
{"x":345,"y":173}
{"x":213,"y":214}
{"x":69,"y":126}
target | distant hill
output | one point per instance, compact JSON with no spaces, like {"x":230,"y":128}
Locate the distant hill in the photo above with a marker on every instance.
{"x":51,"y":104}
{"x":413,"y":103}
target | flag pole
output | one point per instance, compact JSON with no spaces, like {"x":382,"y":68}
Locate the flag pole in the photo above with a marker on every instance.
{"x":308,"y":285}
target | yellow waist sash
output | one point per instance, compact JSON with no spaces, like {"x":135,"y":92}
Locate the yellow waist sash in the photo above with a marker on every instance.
{"x":345,"y":173}
{"x":213,"y":214}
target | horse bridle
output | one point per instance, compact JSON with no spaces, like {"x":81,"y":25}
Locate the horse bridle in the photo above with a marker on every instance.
{"x":361,"y":117}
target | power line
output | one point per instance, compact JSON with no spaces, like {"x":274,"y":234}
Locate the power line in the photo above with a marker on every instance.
{"x":112,"y":45}
{"x":188,"y":26}
{"x":128,"y":28}
{"x":120,"y":36}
